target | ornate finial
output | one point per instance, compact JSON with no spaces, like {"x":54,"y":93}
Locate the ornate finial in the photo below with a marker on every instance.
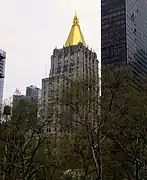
{"x":75,"y":13}
{"x":76,"y":20}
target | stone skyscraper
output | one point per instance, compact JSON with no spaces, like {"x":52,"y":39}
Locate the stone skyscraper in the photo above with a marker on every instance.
{"x":2,"y":74}
{"x":72,"y":61}
{"x":124,"y":35}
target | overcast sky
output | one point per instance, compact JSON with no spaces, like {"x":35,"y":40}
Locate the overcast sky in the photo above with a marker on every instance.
{"x":31,"y":29}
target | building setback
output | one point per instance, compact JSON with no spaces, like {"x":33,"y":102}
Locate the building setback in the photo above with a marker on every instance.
{"x":2,"y":74}
{"x":72,"y":61}
{"x":124,"y":35}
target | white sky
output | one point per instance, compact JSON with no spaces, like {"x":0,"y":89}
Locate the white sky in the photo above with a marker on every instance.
{"x":31,"y":29}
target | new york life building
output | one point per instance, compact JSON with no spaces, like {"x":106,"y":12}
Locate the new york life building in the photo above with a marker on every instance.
{"x":124,"y":35}
{"x":72,"y":61}
{"x":2,"y":75}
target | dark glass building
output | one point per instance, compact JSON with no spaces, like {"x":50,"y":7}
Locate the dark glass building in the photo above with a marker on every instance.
{"x":33,"y":93}
{"x":124,"y":34}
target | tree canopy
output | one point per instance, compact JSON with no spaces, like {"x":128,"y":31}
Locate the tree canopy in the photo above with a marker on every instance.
{"x":103,"y":137}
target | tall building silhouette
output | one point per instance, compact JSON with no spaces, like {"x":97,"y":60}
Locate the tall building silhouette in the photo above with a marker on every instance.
{"x":124,"y":35}
{"x":2,"y":74}
{"x":72,"y":61}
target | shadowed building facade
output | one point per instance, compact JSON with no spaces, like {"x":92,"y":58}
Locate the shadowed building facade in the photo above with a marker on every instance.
{"x":71,"y":62}
{"x":124,"y":35}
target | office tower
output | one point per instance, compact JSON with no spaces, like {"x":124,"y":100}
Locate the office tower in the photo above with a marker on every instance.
{"x":33,"y":93}
{"x":72,"y":61}
{"x":2,"y":74}
{"x":124,"y":35}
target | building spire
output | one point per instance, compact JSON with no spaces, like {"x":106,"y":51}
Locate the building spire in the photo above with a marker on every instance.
{"x":75,"y":20}
{"x":75,"y":35}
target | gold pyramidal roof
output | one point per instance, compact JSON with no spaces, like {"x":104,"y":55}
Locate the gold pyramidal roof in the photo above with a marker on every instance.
{"x":75,"y":35}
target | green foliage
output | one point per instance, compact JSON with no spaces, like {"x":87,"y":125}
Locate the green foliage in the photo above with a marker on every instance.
{"x":107,"y":138}
{"x":126,"y":108}
{"x":24,"y":113}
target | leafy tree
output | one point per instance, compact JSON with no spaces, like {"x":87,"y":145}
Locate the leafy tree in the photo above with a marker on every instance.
{"x":124,"y":104}
{"x":103,"y":137}
{"x":112,"y":126}
{"x":22,"y":138}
